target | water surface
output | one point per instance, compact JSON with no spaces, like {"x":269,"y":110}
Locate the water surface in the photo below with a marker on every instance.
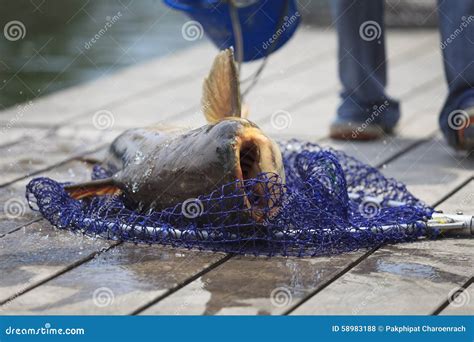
{"x":57,"y":50}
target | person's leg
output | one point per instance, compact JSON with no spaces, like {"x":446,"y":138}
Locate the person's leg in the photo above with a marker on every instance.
{"x":457,"y":43}
{"x":362,"y":70}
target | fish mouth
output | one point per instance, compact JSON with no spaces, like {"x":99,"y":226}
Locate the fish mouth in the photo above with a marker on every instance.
{"x":256,"y":154}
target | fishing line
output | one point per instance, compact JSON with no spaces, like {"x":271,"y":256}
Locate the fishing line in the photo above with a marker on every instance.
{"x":239,"y":44}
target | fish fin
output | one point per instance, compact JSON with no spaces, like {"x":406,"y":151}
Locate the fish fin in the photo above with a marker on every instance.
{"x":89,"y":160}
{"x":244,"y":113}
{"x":99,"y":187}
{"x":221,"y":93}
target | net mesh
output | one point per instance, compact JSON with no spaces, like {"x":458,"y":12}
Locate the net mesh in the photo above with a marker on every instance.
{"x":330,"y":203}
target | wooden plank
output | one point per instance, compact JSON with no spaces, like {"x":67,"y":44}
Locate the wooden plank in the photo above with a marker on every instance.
{"x":250,"y":286}
{"x":111,"y":89}
{"x":144,"y":80}
{"x":116,"y":282}
{"x":14,"y":210}
{"x":312,"y":115}
{"x":293,"y":65}
{"x":38,"y":252}
{"x":40,"y":152}
{"x":398,"y":276}
{"x":415,"y":125}
{"x":22,"y":160}
{"x":463,"y":304}
{"x":461,"y":201}
{"x":171,"y":104}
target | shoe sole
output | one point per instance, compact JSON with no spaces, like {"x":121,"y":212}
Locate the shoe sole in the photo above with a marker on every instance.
{"x":466,"y":134}
{"x":352,"y":132}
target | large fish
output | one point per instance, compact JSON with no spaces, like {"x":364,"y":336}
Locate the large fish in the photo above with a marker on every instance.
{"x":157,"y":167}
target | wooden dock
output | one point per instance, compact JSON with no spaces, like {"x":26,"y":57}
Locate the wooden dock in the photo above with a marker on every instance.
{"x":48,"y":271}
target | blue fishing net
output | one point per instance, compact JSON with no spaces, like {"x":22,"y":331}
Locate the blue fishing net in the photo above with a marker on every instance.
{"x":331,"y":203}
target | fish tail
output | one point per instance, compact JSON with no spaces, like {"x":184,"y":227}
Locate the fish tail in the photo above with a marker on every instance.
{"x":99,"y":187}
{"x":221,"y":89}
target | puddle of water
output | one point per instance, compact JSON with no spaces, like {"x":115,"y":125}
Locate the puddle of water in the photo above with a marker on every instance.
{"x":407,"y":269}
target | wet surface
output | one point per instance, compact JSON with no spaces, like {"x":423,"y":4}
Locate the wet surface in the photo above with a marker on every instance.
{"x":132,"y":274}
{"x":246,"y":285}
{"x":40,"y":152}
{"x":417,"y":261}
{"x":38,"y":251}
{"x":14,"y":209}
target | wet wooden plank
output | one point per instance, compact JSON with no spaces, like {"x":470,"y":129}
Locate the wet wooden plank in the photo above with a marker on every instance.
{"x":180,"y":104}
{"x":40,"y":152}
{"x":115,"y":89}
{"x":462,"y":201}
{"x":251,"y":286}
{"x":462,"y":304}
{"x":37,"y":252}
{"x":402,"y":279}
{"x":415,"y":125}
{"x":14,"y":210}
{"x":116,"y":282}
{"x":295,"y":65}
{"x":312,"y":116}
{"x":411,"y":278}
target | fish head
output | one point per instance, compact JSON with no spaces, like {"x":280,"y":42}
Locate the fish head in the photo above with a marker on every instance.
{"x":255,"y":154}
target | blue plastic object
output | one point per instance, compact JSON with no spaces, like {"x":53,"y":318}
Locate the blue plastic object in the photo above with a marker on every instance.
{"x":266,"y":25}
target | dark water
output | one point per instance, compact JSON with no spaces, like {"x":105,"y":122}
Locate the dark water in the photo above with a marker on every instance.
{"x":54,"y":52}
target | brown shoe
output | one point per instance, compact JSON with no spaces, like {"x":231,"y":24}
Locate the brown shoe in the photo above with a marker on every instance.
{"x":345,"y":130}
{"x":466,"y":132}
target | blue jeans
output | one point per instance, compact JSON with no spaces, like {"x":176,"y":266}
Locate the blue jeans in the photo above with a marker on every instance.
{"x":362,"y":63}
